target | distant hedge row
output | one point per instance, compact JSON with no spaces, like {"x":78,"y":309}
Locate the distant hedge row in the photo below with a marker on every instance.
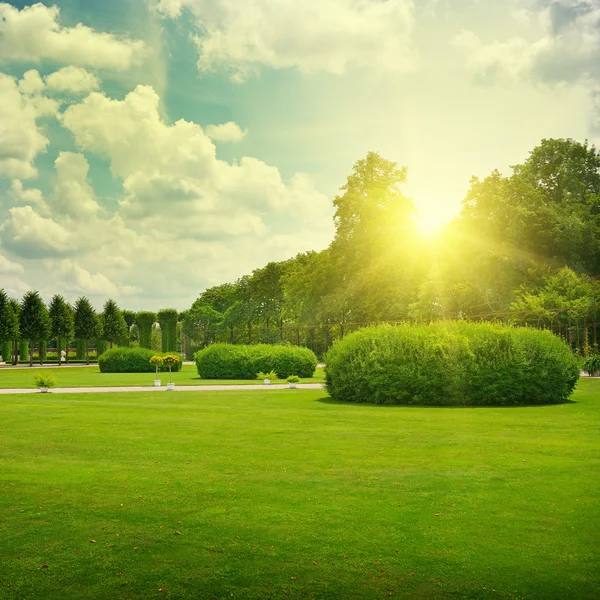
{"x":451,"y":363}
{"x":233,"y":361}
{"x":131,"y":360}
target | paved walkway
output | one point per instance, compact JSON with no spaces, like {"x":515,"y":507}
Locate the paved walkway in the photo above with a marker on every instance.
{"x":180,"y":388}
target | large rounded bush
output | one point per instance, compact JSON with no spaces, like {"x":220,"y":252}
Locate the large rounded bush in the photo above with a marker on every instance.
{"x":229,"y":361}
{"x":451,"y":363}
{"x":131,"y":360}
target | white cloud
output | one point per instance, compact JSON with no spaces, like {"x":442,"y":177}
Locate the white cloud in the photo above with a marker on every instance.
{"x":20,"y":138}
{"x":30,"y":196}
{"x":73,"y":196}
{"x":30,"y":235}
{"x":227,"y":132}
{"x":34,"y":33}
{"x":73,"y":79}
{"x":567,"y":51}
{"x":79,"y":280}
{"x":311,"y":35}
{"x":8,"y":267}
{"x":31,"y":83}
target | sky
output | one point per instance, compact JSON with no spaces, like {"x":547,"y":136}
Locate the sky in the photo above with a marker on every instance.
{"x":150,"y":149}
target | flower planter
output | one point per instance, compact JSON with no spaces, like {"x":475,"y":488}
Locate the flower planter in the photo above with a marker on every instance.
{"x":292,"y":386}
{"x":267,"y":382}
{"x":170,"y":387}
{"x":157,"y":383}
{"x":43,"y":390}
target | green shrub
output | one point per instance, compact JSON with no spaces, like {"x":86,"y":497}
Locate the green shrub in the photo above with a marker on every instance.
{"x":44,"y":380}
{"x":591,"y":364}
{"x":271,"y":376}
{"x":228,"y":361}
{"x":451,"y":363}
{"x":131,"y":360}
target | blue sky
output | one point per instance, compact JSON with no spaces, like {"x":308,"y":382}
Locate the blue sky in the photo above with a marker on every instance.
{"x":152,"y":148}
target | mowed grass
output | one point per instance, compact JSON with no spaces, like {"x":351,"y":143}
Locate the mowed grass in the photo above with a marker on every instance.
{"x":286,"y":494}
{"x":91,"y":377}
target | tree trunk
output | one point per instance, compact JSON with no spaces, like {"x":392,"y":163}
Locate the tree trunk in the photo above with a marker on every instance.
{"x":110,"y":344}
{"x":87,"y":352}
{"x":40,"y":352}
{"x":59,"y":351}
{"x":15,"y":353}
{"x":67,"y":341}
{"x":31,"y":346}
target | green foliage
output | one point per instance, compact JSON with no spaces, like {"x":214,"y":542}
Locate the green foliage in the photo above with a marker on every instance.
{"x":591,"y":365}
{"x":293,"y":379}
{"x":271,"y":376}
{"x":144,"y":320}
{"x":34,"y":320}
{"x":132,"y":360}
{"x":227,"y":361}
{"x":115,"y":328}
{"x":167,"y":319}
{"x":87,"y":324}
{"x":44,"y":380}
{"x":451,"y":363}
{"x":62,"y":320}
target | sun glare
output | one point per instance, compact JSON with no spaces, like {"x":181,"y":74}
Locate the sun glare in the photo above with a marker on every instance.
{"x":429,"y":225}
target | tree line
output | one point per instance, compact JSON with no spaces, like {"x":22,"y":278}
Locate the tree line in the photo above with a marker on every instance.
{"x":526,"y":241}
{"x":30,"y":323}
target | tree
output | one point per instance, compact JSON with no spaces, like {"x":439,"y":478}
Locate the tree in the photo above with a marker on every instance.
{"x":18,"y":344}
{"x":86,"y":325}
{"x":144,"y":320}
{"x":61,"y":317}
{"x":167,"y":319}
{"x":115,"y":326}
{"x":34,"y":322}
{"x":129,"y":317}
{"x":9,"y":327}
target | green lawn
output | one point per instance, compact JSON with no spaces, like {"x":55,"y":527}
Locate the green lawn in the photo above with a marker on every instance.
{"x":91,"y":377}
{"x":286,"y":494}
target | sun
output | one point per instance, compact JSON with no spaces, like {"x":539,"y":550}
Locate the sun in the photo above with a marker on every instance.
{"x":430,"y":225}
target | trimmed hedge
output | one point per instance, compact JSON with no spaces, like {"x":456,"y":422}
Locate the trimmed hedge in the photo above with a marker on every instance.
{"x":229,"y":361}
{"x":451,"y":363}
{"x":131,"y":360}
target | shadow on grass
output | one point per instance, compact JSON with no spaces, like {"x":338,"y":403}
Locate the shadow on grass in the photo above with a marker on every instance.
{"x":328,"y":400}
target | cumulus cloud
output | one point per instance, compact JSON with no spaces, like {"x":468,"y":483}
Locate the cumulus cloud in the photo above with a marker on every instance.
{"x":73,"y":195}
{"x":227,"y":132}
{"x":174,"y":175}
{"x":311,"y":35}
{"x":74,"y":80}
{"x":21,"y":140}
{"x":30,"y":235}
{"x":8,"y":267}
{"x":34,"y":33}
{"x":567,"y":51}
{"x":30,"y":196}
{"x":31,"y":83}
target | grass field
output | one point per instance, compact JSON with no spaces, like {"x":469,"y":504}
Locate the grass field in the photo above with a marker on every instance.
{"x":91,"y":377}
{"x":287,"y":494}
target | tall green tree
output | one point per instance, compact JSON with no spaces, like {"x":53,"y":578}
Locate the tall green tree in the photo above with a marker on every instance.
{"x":145,"y":320}
{"x":115,"y":326}
{"x":34,"y":322}
{"x":9,"y":327}
{"x":167,"y":319}
{"x":62,"y":324}
{"x":86,"y":324}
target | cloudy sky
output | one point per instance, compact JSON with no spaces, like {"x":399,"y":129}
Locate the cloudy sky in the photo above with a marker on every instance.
{"x":152,"y":148}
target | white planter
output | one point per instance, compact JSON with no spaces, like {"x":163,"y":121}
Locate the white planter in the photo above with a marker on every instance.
{"x":44,"y":390}
{"x":170,"y":387}
{"x":157,"y":383}
{"x":267,"y":382}
{"x":292,"y":386}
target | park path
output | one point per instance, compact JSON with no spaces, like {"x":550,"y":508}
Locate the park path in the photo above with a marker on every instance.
{"x":181,"y":388}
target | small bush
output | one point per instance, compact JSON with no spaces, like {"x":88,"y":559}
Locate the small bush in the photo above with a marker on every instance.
{"x":271,"y":376}
{"x":228,"y":361}
{"x":451,"y":363}
{"x":293,"y":379}
{"x":591,"y":364}
{"x":131,"y":360}
{"x":46,"y":381}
